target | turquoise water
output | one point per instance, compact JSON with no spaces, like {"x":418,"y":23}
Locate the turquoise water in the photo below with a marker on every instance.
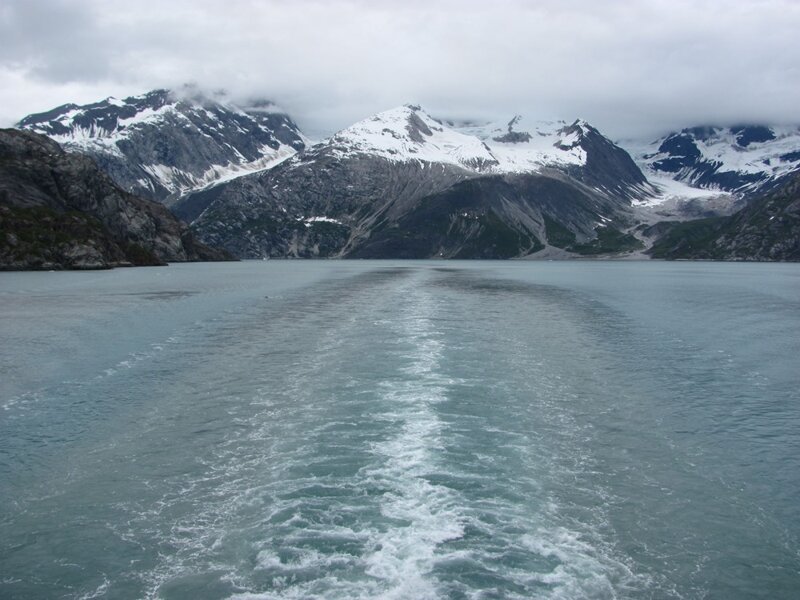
{"x":401,"y":430}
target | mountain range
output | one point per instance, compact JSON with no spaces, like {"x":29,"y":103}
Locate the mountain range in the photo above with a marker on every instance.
{"x":404,"y":184}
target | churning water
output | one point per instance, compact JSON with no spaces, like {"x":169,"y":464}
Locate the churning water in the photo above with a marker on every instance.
{"x":404,"y":430}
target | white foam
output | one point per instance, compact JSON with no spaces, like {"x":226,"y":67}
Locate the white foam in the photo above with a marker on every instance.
{"x":403,"y":556}
{"x":99,"y":592}
{"x":257,"y":512}
{"x":22,"y":400}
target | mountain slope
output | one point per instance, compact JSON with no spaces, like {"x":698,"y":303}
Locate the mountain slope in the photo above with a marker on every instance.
{"x":768,"y":229}
{"x":500,"y":216}
{"x":161,"y":144}
{"x":377,"y":174}
{"x":58,"y":210}
{"x":577,"y":149}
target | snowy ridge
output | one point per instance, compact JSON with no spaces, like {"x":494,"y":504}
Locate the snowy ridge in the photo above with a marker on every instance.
{"x":164,"y":143}
{"x":102,"y":123}
{"x":722,"y":159}
{"x":70,"y":132}
{"x":526,"y":146}
{"x":78,"y":133}
{"x":408,"y":133}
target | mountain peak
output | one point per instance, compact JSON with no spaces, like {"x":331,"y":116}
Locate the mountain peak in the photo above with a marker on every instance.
{"x":408,"y":132}
{"x":165,"y":142}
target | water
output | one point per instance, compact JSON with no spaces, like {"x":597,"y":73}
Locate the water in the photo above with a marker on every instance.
{"x":401,"y":430}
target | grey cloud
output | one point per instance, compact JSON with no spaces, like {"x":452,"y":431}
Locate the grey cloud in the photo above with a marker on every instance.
{"x":56,"y":41}
{"x":629,"y":67}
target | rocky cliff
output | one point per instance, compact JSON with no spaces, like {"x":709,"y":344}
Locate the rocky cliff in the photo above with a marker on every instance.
{"x":59,"y":210}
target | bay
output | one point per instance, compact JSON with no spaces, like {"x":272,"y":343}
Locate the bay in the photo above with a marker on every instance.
{"x":401,"y":429}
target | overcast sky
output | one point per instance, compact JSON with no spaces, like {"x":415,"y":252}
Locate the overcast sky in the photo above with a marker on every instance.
{"x":631,"y":67}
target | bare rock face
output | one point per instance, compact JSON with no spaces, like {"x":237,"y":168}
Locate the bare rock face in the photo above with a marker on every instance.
{"x":59,"y":210}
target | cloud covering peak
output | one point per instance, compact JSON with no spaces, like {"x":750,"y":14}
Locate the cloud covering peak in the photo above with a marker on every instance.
{"x":631,"y":68}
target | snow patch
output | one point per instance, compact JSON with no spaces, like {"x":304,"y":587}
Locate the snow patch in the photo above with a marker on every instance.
{"x":220,"y":173}
{"x":672,"y":189}
{"x":309,"y":221}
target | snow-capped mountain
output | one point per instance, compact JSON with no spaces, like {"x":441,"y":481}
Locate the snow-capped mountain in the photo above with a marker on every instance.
{"x":165,"y":143}
{"x":403,"y":183}
{"x":408,"y":133}
{"x":377,"y":187}
{"x":740,"y":160}
{"x":577,"y":148}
